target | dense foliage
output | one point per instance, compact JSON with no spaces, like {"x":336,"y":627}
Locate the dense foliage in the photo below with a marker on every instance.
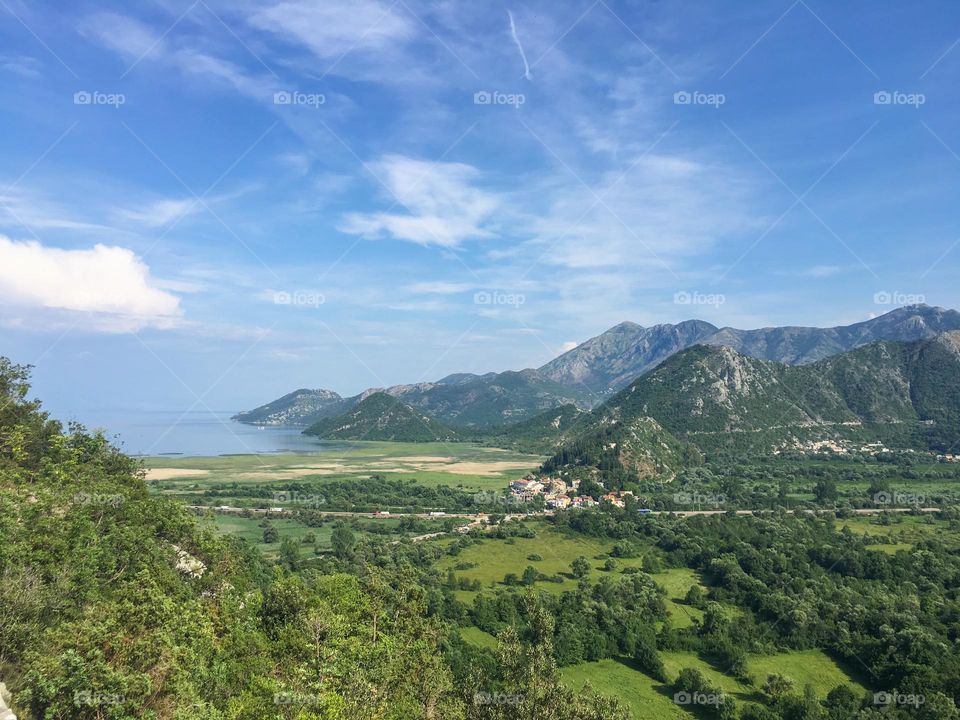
{"x":114,"y":604}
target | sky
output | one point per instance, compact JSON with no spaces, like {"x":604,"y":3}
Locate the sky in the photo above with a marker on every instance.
{"x":208,"y":204}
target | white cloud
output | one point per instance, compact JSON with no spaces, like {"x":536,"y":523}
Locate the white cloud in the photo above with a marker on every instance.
{"x":161,"y":212}
{"x":131,"y":38}
{"x":445,"y":207}
{"x":331,"y":29}
{"x":666,"y":207}
{"x":439,"y":287}
{"x":568,"y":346}
{"x":22,"y":65}
{"x":107,"y":281}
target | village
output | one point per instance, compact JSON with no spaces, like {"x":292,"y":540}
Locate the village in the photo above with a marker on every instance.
{"x":555,"y":493}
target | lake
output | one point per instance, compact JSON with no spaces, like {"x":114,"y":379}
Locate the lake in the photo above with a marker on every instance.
{"x":197,"y":432}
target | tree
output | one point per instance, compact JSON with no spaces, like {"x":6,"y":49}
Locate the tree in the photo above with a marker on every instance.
{"x":651,"y":563}
{"x":342,"y":541}
{"x":695,"y":597}
{"x":610,"y":565}
{"x":825,"y":490}
{"x":580,"y":567}
{"x":530,"y":575}
{"x":289,"y":553}
{"x":271,"y":535}
{"x":776,"y":686}
{"x":646,"y":657}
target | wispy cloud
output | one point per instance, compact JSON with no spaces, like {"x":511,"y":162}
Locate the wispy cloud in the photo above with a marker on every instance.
{"x":442,"y":202}
{"x":160,"y":212}
{"x":333,"y":28}
{"x":516,"y":40}
{"x":23,"y":65}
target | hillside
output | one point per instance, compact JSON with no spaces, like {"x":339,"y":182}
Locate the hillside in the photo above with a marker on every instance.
{"x":540,"y":434}
{"x":618,"y":451}
{"x":380,"y":416}
{"x":117,"y":604}
{"x":617,"y":356}
{"x":301,"y":407}
{"x":906,"y":393}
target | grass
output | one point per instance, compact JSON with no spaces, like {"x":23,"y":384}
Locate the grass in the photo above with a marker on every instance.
{"x":493,"y":559}
{"x":677,"y":581}
{"x":804,"y":667}
{"x":644,"y":697}
{"x":496,"y":558}
{"x":902,"y":532}
{"x":476,"y":636}
{"x":649,"y":698}
{"x":251,"y":530}
{"x":466,"y":465}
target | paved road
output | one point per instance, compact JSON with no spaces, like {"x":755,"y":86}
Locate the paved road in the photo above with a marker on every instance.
{"x":513,"y":516}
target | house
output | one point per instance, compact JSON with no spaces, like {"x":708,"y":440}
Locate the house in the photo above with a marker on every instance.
{"x":613,"y":499}
{"x":559,"y":501}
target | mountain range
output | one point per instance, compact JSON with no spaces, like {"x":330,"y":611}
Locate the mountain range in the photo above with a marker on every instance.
{"x":597,"y":368}
{"x":716,"y":399}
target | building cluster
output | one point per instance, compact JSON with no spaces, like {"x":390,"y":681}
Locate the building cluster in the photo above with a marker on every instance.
{"x":948,"y":458}
{"x":557,"y":494}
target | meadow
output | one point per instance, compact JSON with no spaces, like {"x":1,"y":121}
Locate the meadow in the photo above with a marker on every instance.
{"x":459,"y":465}
{"x":491,"y":559}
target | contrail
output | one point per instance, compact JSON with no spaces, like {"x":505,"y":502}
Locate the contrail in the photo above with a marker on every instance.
{"x":513,"y":34}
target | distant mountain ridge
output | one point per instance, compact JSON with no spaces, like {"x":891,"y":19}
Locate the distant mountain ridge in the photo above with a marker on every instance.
{"x":591,"y":372}
{"x":616,"y":357}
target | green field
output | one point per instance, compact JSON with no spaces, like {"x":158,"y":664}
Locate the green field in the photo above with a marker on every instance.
{"x":648,"y":698}
{"x":495,"y":558}
{"x":251,"y":530}
{"x":644,"y":697}
{"x":459,"y":465}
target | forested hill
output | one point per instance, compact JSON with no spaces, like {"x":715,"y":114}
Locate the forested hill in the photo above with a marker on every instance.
{"x":114,"y":604}
{"x":382,"y":417}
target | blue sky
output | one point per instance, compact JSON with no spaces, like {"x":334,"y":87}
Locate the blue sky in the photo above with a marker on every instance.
{"x":211,"y":203}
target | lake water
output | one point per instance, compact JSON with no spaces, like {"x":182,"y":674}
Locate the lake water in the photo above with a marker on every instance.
{"x":196,"y":433}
